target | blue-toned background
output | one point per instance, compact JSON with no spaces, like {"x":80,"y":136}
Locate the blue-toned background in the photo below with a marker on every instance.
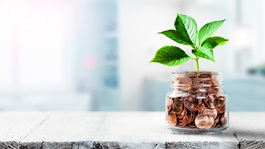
{"x":83,"y":55}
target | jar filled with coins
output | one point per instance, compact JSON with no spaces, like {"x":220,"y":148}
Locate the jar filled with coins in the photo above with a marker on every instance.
{"x":196,"y":103}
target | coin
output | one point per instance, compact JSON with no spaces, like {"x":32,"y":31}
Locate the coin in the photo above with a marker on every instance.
{"x":191,"y":103}
{"x":201,"y":108}
{"x":221,"y":100}
{"x":218,"y":125}
{"x":205,"y":82}
{"x":183,"y":82}
{"x":223,"y":119}
{"x":215,"y":80}
{"x":205,"y":75}
{"x":221,"y":109}
{"x":176,"y":99}
{"x":191,"y":125}
{"x":182,"y":118}
{"x":203,"y":105}
{"x":193,"y":91}
{"x":216,"y":90}
{"x":211,"y":112}
{"x":182,"y":122}
{"x":177,"y":105}
{"x":211,"y":101}
{"x":169,"y":104}
{"x":177,"y":108}
{"x":202,"y":93}
{"x":172,"y":119}
{"x":216,"y":121}
{"x":196,"y":82}
{"x":182,"y":114}
{"x":190,"y":116}
{"x":204,"y":121}
{"x":193,"y":75}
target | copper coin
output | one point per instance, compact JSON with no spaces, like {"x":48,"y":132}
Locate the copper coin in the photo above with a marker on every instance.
{"x":190,"y":117}
{"x":216,"y":90}
{"x":207,"y":90}
{"x":211,"y":101}
{"x":183,"y":82}
{"x":169,"y":104}
{"x":177,"y":99}
{"x":204,"y":121}
{"x":205,"y":75}
{"x":196,"y":82}
{"x":211,"y":112}
{"x":193,"y":75}
{"x":182,"y":114}
{"x":193,"y":91}
{"x":205,"y":82}
{"x":191,"y":125}
{"x":221,"y":100}
{"x":182,"y":118}
{"x":172,"y":119}
{"x":191,"y":103}
{"x":208,"y":82}
{"x":215,"y":80}
{"x":182,"y":122}
{"x":221,"y":109}
{"x":201,"y":94}
{"x":223,"y":119}
{"x":201,"y":108}
{"x":218,"y":125}
{"x":216,"y":121}
{"x":177,"y":106}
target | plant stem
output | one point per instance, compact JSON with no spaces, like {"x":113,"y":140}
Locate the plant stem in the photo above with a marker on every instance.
{"x":197,"y":64}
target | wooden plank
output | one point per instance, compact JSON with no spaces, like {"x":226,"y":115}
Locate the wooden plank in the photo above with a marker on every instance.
{"x":66,"y":127}
{"x":15,"y":126}
{"x":249,"y":128}
{"x":88,"y":130}
{"x":119,"y":130}
{"x":9,"y":145}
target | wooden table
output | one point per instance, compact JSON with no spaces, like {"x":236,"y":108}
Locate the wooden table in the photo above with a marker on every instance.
{"x":137,"y":130}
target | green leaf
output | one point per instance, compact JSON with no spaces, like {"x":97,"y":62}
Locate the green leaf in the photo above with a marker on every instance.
{"x":208,"y":29}
{"x":206,"y":51}
{"x":215,"y":41}
{"x":188,"y":27}
{"x":170,"y":56}
{"x":177,"y":36}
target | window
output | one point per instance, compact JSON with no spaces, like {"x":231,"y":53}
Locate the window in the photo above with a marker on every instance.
{"x":36,"y":42}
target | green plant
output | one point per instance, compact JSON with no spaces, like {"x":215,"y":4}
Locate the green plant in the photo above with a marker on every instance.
{"x":186,"y":33}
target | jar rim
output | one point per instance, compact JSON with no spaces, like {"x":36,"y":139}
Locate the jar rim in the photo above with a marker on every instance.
{"x":216,"y":77}
{"x":186,"y":72}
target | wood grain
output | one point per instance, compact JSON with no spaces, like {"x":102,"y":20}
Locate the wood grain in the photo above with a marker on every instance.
{"x":16,"y":126}
{"x":249,"y":128}
{"x":122,"y":130}
{"x":126,"y":130}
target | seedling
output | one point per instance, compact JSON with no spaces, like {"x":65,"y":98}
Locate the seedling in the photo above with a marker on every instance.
{"x":186,"y":33}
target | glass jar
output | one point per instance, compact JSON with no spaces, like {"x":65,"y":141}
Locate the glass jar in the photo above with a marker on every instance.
{"x":196,"y":103}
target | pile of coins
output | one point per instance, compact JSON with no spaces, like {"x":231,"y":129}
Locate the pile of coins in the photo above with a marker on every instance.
{"x":196,"y":102}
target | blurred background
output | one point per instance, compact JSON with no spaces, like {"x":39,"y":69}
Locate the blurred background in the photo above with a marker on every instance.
{"x":93,"y":55}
